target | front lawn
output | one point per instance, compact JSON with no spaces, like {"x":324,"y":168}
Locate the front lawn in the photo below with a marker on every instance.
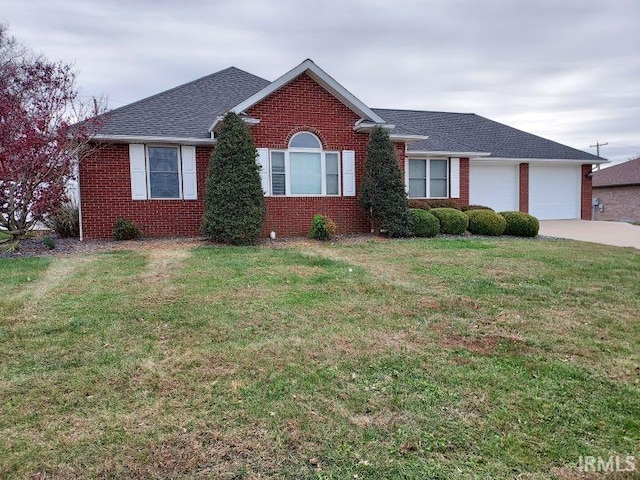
{"x":443,"y":359}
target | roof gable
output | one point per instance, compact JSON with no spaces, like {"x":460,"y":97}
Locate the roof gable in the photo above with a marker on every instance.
{"x":322,"y":78}
{"x":627,"y":173}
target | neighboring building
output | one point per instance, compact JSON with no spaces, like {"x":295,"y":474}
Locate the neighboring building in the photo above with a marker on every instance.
{"x":311,"y":136}
{"x":617,"y":190}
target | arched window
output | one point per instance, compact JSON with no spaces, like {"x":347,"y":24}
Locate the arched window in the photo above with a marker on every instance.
{"x":304,"y":140}
{"x":305,"y":168}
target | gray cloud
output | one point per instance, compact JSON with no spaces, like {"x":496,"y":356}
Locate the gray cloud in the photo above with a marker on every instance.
{"x":569,"y":70}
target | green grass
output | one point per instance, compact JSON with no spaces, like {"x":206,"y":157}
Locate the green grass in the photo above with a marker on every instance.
{"x":443,"y":359}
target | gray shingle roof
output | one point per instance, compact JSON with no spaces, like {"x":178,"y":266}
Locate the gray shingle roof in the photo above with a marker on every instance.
{"x":185,"y":111}
{"x":189,"y":110}
{"x":464,"y":132}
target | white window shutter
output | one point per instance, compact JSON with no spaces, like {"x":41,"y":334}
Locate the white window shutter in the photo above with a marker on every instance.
{"x":138,"y":171}
{"x":189,"y":176}
{"x":348,"y":173}
{"x":406,"y":175}
{"x":263,"y":161}
{"x":455,"y":178}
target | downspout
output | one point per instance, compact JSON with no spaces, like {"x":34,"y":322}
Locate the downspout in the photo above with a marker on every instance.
{"x":79,"y":203}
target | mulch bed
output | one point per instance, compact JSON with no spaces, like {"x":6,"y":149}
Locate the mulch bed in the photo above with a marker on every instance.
{"x":35,"y":246}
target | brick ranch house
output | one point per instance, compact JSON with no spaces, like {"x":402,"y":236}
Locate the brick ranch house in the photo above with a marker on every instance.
{"x":311,"y":135}
{"x":617,"y":189}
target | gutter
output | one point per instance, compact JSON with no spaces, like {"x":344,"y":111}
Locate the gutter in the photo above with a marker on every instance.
{"x":153,"y":139}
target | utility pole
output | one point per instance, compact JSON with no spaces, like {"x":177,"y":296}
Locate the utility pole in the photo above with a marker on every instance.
{"x":597,"y":147}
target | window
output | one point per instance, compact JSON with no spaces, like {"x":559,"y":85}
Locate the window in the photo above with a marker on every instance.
{"x":164,"y":172}
{"x":305,"y":169}
{"x":428,"y":178}
{"x":277,"y":173}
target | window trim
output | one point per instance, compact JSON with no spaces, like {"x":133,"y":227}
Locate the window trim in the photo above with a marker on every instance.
{"x":148,"y":171}
{"x":428,"y":178}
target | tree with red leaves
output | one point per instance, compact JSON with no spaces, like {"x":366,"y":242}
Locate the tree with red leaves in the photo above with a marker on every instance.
{"x":41,"y":138}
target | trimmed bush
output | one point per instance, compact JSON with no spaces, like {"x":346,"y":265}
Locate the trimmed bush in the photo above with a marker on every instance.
{"x":521,"y":224}
{"x":452,"y":221}
{"x":125,"y":230}
{"x":466,"y":208}
{"x":444,"y":204}
{"x":419,"y":204}
{"x":65,"y":221}
{"x":323,"y":228}
{"x":382,"y":191}
{"x":423,"y":223}
{"x":234,"y":207}
{"x":486,"y":222}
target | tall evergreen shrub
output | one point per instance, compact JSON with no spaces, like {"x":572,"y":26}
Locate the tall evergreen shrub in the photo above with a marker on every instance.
{"x":383,"y":187}
{"x":234,"y":206}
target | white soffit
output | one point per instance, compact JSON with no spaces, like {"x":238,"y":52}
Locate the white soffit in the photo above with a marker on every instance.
{"x":539,"y":160}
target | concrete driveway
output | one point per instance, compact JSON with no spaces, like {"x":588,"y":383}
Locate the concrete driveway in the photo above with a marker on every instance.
{"x":618,"y":234}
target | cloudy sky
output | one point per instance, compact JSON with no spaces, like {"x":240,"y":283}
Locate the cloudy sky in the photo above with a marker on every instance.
{"x":568,"y":70}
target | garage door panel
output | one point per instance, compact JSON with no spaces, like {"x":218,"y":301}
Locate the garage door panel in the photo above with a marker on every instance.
{"x":554,"y":192}
{"x":495,"y":186}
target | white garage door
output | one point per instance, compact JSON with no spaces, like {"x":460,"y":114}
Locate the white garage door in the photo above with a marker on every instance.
{"x":554,"y":192}
{"x":495,"y":186}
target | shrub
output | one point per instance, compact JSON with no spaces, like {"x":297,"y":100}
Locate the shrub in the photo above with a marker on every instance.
{"x":382,"y":191}
{"x":420,"y":204}
{"x":521,"y":224}
{"x":125,"y":230}
{"x":452,"y":221}
{"x":234,"y":205}
{"x":322,"y":228}
{"x":65,"y":221}
{"x":423,"y":223}
{"x":486,"y":222}
{"x":49,"y":242}
{"x":466,"y":208}
{"x":444,"y":204}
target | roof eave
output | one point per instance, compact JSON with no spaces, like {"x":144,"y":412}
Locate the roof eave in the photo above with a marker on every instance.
{"x":407,"y":139}
{"x":246,"y":119}
{"x":152,"y":139}
{"x":613,"y":185}
{"x":542,"y":160}
{"x":446,"y":153}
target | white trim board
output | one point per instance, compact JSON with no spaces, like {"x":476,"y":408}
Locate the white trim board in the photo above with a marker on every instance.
{"x":568,"y":161}
{"x":151,"y":139}
{"x":426,"y":153}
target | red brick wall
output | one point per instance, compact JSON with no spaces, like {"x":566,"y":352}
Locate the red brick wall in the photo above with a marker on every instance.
{"x":105,"y":193}
{"x":524,"y":187}
{"x":585,"y":199}
{"x":621,"y":203}
{"x":305,"y":105}
{"x":464,"y":181}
